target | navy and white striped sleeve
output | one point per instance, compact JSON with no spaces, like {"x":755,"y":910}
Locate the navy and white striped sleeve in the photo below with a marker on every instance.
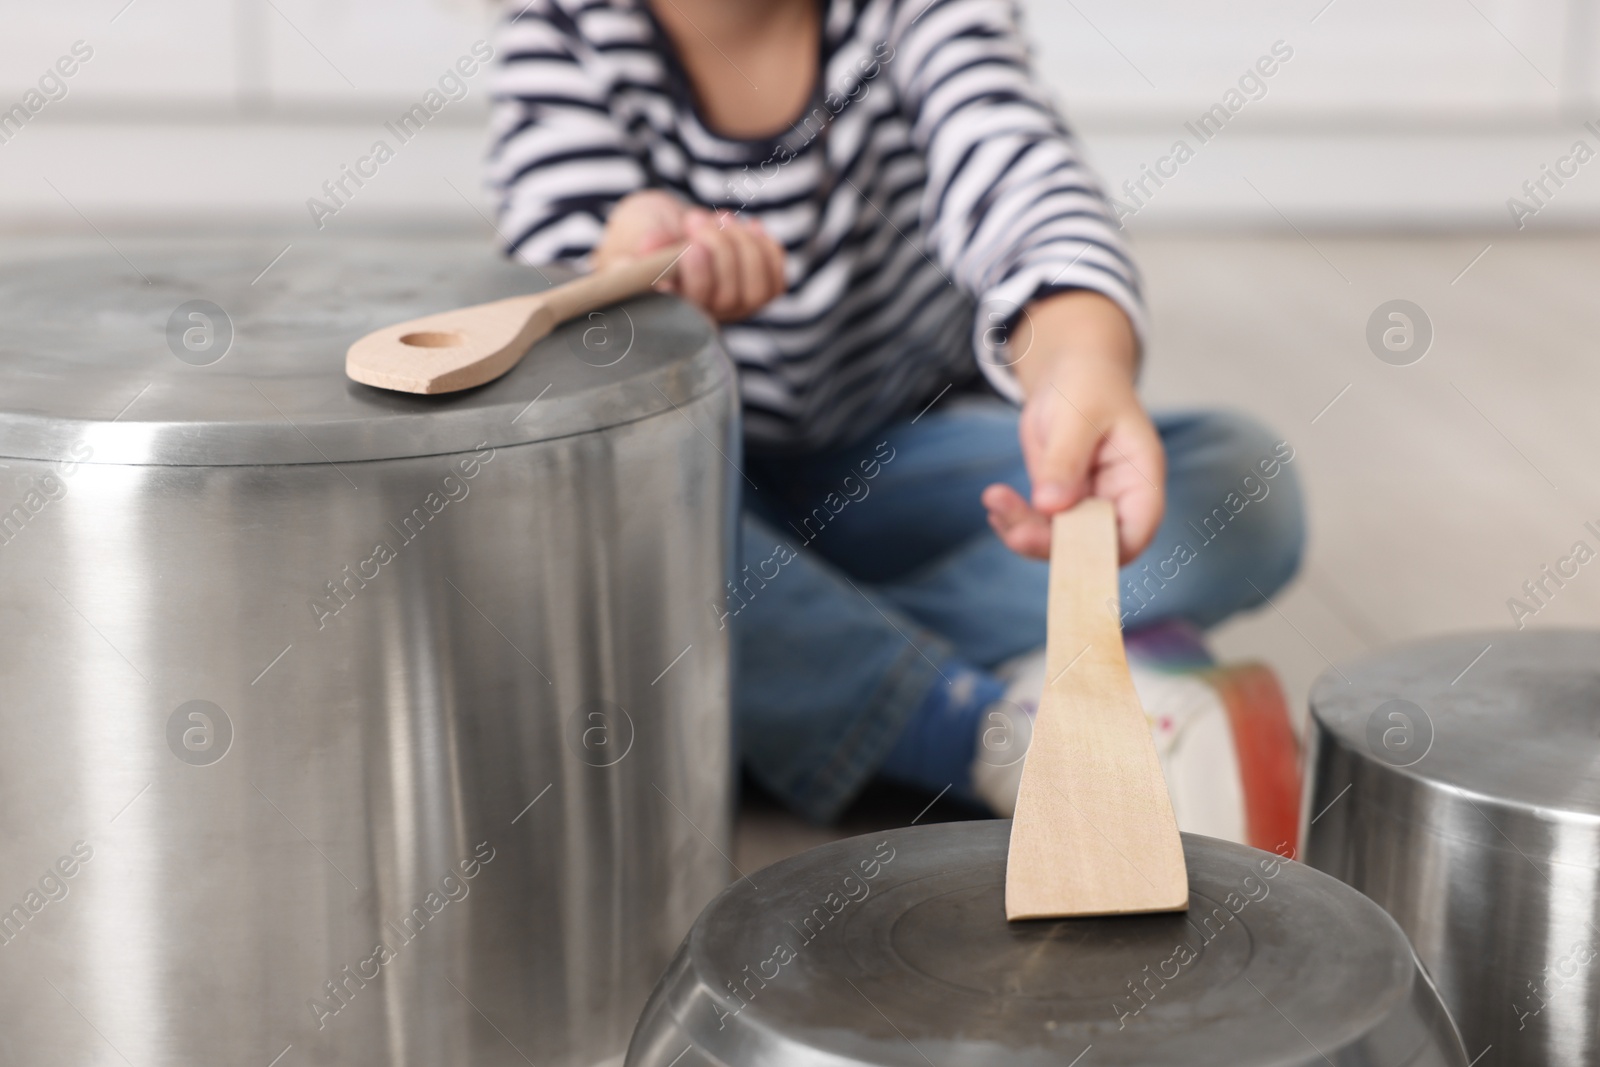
{"x":1010,"y":210}
{"x":559,"y":159}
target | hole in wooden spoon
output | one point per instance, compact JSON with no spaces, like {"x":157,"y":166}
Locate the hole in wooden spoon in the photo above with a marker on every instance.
{"x":432,"y":340}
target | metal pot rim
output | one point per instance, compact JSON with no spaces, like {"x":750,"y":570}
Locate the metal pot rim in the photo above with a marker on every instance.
{"x":98,"y":378}
{"x":926,"y":961}
{"x":1504,"y":721}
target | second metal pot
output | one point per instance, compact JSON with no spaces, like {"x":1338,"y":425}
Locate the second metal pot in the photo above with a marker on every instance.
{"x":1457,"y":782}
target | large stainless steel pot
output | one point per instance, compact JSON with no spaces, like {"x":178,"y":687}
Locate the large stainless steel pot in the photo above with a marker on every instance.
{"x":345,"y":727}
{"x":1457,"y":783}
{"x":893,"y":949}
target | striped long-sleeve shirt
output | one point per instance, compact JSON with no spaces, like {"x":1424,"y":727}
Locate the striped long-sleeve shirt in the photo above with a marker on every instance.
{"x":928,"y":192}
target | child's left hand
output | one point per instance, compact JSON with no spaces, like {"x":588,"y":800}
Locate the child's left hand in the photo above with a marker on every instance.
{"x":1084,"y":432}
{"x":730,"y":268}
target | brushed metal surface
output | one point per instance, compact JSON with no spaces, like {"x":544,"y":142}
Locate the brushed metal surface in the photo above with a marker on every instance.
{"x":499,"y":751}
{"x":87,"y":354}
{"x":1458,"y":785}
{"x":893,"y":949}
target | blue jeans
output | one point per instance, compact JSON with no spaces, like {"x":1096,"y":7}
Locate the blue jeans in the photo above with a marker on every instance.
{"x":865,"y":569}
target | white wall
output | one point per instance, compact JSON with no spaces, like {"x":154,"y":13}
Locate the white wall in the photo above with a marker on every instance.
{"x":208,"y":112}
{"x":1427,"y":113}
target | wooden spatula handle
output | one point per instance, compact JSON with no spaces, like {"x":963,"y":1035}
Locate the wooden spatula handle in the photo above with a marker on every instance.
{"x":615,"y":283}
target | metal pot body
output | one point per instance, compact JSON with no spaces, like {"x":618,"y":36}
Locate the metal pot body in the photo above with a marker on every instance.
{"x":893,"y":949}
{"x":1464,"y":802}
{"x":376,"y":763}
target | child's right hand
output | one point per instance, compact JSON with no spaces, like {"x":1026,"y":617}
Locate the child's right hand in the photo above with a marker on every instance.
{"x":731,"y":268}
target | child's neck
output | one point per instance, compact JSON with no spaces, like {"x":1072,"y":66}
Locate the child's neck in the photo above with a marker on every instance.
{"x":752,"y":65}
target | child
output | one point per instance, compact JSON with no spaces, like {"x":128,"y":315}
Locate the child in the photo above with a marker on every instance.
{"x":893,"y":225}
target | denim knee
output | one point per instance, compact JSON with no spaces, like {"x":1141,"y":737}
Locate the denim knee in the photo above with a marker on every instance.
{"x":1277,"y":533}
{"x":1228,"y":470}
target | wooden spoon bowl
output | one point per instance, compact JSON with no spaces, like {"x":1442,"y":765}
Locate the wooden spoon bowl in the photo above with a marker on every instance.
{"x":454,"y":350}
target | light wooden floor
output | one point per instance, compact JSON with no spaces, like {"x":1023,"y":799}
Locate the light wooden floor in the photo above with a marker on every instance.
{"x":1435,"y":490}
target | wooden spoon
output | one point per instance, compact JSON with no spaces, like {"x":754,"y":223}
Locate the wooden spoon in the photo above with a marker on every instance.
{"x":1094,"y":832}
{"x":459,"y":349}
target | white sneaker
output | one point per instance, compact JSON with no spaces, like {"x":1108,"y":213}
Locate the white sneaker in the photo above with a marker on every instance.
{"x":1194,"y":743}
{"x":1004,"y":731}
{"x":1188,"y":722}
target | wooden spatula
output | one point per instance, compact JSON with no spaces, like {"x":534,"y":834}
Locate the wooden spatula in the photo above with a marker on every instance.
{"x":459,"y":349}
{"x":1094,"y":832}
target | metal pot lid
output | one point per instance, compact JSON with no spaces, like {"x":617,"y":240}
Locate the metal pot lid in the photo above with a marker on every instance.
{"x":103,"y":351}
{"x":894,"y":949}
{"x":1512,"y":717}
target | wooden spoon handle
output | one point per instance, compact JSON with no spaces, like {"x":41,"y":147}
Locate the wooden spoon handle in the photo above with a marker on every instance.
{"x":605,"y":287}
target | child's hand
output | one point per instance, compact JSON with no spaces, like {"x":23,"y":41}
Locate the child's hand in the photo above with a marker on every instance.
{"x":1084,"y":432}
{"x":731,"y":268}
